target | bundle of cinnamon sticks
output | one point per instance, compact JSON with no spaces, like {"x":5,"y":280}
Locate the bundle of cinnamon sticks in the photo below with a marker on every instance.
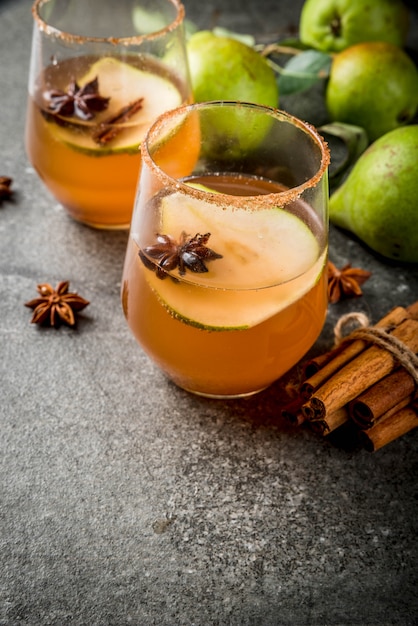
{"x":370,"y":378}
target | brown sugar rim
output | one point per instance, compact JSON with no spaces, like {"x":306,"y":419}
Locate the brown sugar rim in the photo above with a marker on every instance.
{"x":256,"y":202}
{"x":133,"y":40}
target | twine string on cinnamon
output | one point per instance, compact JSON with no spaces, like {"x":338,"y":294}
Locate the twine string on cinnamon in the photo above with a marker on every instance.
{"x":349,"y":318}
{"x":379,"y":336}
{"x":369,"y":377}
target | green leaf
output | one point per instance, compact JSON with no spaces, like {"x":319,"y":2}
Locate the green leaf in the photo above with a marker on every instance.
{"x":303,"y":71}
{"x":293,"y":42}
{"x":190,"y":28}
{"x":145,"y":21}
{"x":355,"y":141}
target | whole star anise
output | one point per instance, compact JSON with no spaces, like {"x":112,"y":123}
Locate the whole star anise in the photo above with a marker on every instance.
{"x":345,"y":282}
{"x":56,"y":305}
{"x":82,"y":102}
{"x":5,"y":187}
{"x":190,"y":253}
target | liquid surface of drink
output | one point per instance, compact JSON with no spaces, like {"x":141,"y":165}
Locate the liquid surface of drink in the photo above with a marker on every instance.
{"x":95,"y":178}
{"x":235,"y":328}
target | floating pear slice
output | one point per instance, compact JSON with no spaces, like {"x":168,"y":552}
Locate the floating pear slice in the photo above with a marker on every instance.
{"x":270,"y":258}
{"x":122,"y":83}
{"x":201,"y":187}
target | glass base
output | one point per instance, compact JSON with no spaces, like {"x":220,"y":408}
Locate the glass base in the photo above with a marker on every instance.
{"x":91,"y":224}
{"x":223,"y":396}
{"x":103,"y":226}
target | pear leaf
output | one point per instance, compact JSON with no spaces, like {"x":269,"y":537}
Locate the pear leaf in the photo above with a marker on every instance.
{"x":355,"y":142}
{"x":294,"y":43}
{"x":190,"y":28}
{"x":145,"y":21}
{"x":303,"y":70}
{"x":151,"y":21}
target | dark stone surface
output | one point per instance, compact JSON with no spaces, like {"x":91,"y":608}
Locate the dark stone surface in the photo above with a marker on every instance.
{"x":124,"y":500}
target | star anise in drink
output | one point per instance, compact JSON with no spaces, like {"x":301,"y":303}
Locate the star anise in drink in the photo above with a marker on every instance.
{"x":56,"y":305}
{"x":190,"y":253}
{"x":82,"y":102}
{"x":5,"y":187}
{"x":345,"y":282}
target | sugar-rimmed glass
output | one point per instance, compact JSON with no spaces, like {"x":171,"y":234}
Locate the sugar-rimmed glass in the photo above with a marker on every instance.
{"x":225,"y":283}
{"x":89,"y":158}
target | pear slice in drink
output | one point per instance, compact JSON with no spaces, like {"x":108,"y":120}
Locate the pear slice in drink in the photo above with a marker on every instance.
{"x":270,"y":259}
{"x":123,"y":84}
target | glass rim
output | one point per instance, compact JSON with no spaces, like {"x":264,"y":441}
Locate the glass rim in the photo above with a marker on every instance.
{"x":51,"y":30}
{"x":259,"y":201}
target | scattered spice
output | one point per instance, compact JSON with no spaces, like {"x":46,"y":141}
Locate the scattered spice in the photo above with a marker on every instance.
{"x":82,"y":102}
{"x":5,"y":187}
{"x":189,"y":254}
{"x":106,"y":130}
{"x":345,"y":282}
{"x":56,"y":305}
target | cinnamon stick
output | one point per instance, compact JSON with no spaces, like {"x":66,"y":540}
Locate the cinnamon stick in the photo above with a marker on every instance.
{"x":341,"y":355}
{"x":370,"y":378}
{"x":330,"y":422}
{"x":359,"y":374}
{"x":314,"y":364}
{"x":389,"y":429}
{"x":412,"y":310}
{"x":371,"y":405}
{"x":107,"y":129}
{"x":292,"y":412}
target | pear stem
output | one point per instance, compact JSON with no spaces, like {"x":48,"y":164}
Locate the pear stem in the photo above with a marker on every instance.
{"x":274,"y":47}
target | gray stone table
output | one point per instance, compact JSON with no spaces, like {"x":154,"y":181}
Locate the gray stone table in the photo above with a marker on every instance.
{"x":125,"y":500}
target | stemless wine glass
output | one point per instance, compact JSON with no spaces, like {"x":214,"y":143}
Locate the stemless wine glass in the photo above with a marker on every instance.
{"x":224,"y":282}
{"x":101,"y":72}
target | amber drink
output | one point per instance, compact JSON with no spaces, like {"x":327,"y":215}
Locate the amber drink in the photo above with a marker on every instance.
{"x":95,"y":88}
{"x":224,"y":284}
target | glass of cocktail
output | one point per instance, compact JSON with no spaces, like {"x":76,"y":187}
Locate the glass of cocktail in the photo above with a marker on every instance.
{"x":101,"y":72}
{"x":224,"y":282}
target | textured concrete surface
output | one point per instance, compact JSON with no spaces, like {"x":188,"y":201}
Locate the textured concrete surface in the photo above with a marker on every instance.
{"x":124,"y":500}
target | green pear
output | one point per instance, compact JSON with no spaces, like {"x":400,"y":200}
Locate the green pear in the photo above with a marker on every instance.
{"x":378,"y":200}
{"x":333,"y":25}
{"x":373,"y":85}
{"x":223,"y":68}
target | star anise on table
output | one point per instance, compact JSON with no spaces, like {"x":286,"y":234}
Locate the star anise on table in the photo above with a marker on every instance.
{"x":190,"y":253}
{"x":56,"y":305}
{"x":345,"y":282}
{"x":82,"y":102}
{"x":5,"y":187}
